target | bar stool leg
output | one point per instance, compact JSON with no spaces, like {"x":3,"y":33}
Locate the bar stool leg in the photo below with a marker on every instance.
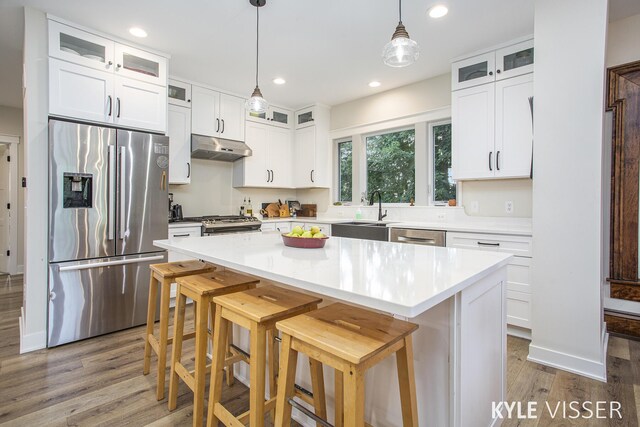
{"x":165,"y":296}
{"x":151,"y":315}
{"x":220,"y":334}
{"x":406,"y":379}
{"x":286,"y":380}
{"x":176,"y":352}
{"x":202,"y":323}
{"x":338,"y":393}
{"x":354,"y":396}
{"x":257,"y":374}
{"x":317,"y":385}
{"x":230,"y":375}
{"x":272,"y":348}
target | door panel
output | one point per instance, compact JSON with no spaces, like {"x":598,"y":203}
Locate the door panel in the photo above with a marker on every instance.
{"x":179,"y":132}
{"x":279,"y":159}
{"x":140,"y":105}
{"x":143,"y":161}
{"x":232,"y":114}
{"x":255,"y":166}
{"x":79,"y":184}
{"x":91,"y":298}
{"x":305,"y":149}
{"x":204,"y":111}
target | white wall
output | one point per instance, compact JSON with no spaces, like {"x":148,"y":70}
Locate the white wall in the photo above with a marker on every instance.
{"x":34,"y":323}
{"x":427,"y":95}
{"x":623,"y":41}
{"x":567,"y":319}
{"x":11,"y":124}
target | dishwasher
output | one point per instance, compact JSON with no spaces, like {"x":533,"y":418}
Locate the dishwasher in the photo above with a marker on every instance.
{"x":418,"y":236}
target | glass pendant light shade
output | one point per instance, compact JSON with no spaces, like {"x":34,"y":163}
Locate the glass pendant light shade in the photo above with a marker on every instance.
{"x":401,"y":51}
{"x":256,"y":104}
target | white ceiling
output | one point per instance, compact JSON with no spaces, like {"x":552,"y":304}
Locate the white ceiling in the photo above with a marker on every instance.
{"x":326,"y":50}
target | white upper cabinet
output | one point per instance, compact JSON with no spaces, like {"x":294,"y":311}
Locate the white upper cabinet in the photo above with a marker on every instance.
{"x":97,"y":79}
{"x":514,"y":127}
{"x":77,"y":46}
{"x":140,"y":105}
{"x":179,"y":93}
{"x":473,"y":116}
{"x":275,"y":116}
{"x":312,"y":167}
{"x":179,"y":131}
{"x":513,"y":60}
{"x":217,"y":114}
{"x":140,"y":65}
{"x":492,"y":128}
{"x":271,"y":160}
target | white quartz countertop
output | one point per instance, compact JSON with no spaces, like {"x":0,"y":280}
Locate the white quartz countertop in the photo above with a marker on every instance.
{"x":401,"y":279}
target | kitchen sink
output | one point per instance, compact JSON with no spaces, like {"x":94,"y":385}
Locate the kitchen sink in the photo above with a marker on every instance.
{"x":361,"y":230}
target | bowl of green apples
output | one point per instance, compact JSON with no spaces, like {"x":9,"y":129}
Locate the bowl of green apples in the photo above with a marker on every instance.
{"x":298,"y":237}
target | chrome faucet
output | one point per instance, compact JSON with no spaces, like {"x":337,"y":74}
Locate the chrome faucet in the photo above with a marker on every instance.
{"x":371,"y":199}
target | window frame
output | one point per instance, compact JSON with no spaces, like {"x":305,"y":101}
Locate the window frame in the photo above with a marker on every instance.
{"x":336,"y":174}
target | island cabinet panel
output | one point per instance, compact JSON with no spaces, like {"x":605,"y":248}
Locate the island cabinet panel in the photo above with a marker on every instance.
{"x":519,"y":283}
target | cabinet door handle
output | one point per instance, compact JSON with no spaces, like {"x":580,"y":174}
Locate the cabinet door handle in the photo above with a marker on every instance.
{"x":268,"y":176}
{"x":498,"y":160}
{"x":491,"y":73}
{"x":188,"y":170}
{"x":180,"y":235}
{"x":272,"y":175}
{"x":490,"y":160}
{"x":118,"y":66}
{"x":110,"y":63}
{"x":217,"y":125}
{"x":222,"y":120}
{"x":495,"y":245}
{"x":498,"y":71}
{"x":118,"y":107}
{"x":312,"y":170}
{"x":110,"y":105}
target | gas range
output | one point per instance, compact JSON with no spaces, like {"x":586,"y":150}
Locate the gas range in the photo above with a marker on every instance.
{"x":217,"y":224}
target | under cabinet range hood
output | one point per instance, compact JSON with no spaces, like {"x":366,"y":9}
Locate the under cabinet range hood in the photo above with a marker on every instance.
{"x":212,"y":148}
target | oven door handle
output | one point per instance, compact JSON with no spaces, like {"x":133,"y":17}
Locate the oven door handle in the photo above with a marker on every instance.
{"x":417,"y":240}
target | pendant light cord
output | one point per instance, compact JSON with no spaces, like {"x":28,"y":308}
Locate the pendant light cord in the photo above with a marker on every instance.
{"x":257,"y":41}
{"x":400,"y":10}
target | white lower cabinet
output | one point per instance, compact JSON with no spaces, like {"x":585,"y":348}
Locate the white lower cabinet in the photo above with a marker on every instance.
{"x":282,"y":227}
{"x":519,"y":285}
{"x":177,"y":231}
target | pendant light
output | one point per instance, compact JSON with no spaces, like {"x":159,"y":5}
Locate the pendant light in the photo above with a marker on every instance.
{"x":257,"y":104}
{"x":401,"y":50}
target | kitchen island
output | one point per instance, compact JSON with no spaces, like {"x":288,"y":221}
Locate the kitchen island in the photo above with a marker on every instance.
{"x":456,"y":296}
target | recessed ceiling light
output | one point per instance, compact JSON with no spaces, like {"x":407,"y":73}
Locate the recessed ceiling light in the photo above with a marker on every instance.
{"x":374,"y":84}
{"x":279,"y":81}
{"x":438,"y":11}
{"x":137,"y":32}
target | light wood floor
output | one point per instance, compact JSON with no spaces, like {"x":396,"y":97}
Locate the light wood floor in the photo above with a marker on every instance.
{"x":99,"y":382}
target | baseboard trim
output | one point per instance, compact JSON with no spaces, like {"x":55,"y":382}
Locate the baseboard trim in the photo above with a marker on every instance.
{"x":519,"y":332}
{"x":30,"y":342}
{"x":596,"y":370}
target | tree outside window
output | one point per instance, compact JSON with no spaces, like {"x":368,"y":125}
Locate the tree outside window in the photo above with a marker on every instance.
{"x":391,"y":165}
{"x":345,"y":171}
{"x":444,"y":186}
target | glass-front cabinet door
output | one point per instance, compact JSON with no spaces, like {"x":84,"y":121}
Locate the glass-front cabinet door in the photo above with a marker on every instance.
{"x":80,"y":47}
{"x":140,"y":65}
{"x":514,"y":60}
{"x":280,"y":117}
{"x":473,"y":71}
{"x":304,"y":118}
{"x":179,"y":93}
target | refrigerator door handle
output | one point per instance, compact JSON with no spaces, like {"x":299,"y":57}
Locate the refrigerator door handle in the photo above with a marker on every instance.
{"x":112,"y":194}
{"x":123,"y":198}
{"x":109,"y":263}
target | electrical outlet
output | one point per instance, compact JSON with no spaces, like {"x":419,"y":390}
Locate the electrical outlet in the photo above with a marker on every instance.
{"x":508,"y":207}
{"x":442,"y":216}
{"x":475,"y":207}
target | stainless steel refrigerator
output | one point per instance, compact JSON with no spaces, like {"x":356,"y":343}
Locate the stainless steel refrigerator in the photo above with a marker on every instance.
{"x":107,"y":204}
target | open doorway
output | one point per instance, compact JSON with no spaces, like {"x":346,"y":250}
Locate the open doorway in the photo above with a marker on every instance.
{"x":8,"y":204}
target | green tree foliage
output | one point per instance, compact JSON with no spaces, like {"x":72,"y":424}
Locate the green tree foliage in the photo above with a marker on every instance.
{"x":345,"y":158}
{"x":445,"y":188}
{"x":391,"y":166}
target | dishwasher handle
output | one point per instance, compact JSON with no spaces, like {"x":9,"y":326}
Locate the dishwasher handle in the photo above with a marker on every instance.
{"x":417,"y":240}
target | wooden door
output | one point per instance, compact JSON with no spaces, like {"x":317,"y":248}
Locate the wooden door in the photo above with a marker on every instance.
{"x":624,"y":101}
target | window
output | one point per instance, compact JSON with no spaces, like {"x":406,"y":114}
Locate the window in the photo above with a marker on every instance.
{"x":345,"y":168}
{"x":391,"y":165}
{"x":444,"y":188}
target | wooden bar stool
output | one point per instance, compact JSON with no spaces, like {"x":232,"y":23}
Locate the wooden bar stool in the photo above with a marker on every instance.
{"x":351,"y":340}
{"x":201,"y":289}
{"x":163,"y":275}
{"x":257,"y":310}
